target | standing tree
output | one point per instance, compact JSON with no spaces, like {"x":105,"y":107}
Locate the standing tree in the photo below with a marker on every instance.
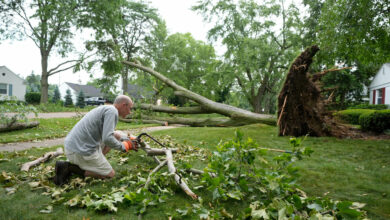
{"x":48,"y":24}
{"x":258,"y":50}
{"x":68,"y":99}
{"x":349,"y":33}
{"x":122,"y":28}
{"x":80,"y":99}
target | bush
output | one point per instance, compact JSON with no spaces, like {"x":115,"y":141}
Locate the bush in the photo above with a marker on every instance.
{"x":352,"y":115}
{"x":369,"y":106}
{"x":377,"y":121}
{"x":80,"y":100}
{"x":68,"y":99}
{"x":33,"y":97}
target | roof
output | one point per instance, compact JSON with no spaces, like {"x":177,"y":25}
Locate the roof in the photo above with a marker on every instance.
{"x":382,"y":77}
{"x":4,"y":67}
{"x":88,"y":90}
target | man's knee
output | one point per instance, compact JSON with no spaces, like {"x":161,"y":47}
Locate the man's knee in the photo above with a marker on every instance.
{"x":111,"y":174}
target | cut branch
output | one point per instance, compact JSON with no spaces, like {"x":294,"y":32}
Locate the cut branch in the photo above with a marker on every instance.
{"x":180,"y":181}
{"x":45,"y":157}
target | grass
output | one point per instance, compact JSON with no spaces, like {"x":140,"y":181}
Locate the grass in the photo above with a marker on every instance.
{"x":53,"y":128}
{"x":344,"y":169}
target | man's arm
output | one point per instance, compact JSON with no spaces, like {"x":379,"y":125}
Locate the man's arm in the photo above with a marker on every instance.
{"x":108,"y":138}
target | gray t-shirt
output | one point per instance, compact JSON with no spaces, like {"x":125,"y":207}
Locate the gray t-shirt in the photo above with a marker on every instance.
{"x":96,"y":127}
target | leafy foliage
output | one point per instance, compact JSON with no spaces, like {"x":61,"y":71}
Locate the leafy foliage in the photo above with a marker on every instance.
{"x":239,"y":173}
{"x":377,"y":121}
{"x":19,"y":112}
{"x":352,"y":115}
{"x":258,"y":51}
{"x":32,"y":97}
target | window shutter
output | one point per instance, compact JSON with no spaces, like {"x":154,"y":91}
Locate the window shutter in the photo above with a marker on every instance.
{"x":373,"y":97}
{"x":10,"y":89}
{"x":383,"y":95}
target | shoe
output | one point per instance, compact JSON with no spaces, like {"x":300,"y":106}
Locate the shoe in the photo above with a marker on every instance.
{"x":62,"y":172}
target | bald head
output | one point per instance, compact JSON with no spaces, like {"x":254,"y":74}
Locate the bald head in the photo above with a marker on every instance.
{"x":123,"y":104}
{"x":122,"y":99}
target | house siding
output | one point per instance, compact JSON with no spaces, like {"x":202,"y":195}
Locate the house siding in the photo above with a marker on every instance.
{"x":381,"y":82}
{"x":14,"y":84}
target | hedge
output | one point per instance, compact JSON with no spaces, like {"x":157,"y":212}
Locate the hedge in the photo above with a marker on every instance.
{"x":377,"y":121}
{"x":369,"y":106}
{"x":352,"y":115}
{"x":33,"y":97}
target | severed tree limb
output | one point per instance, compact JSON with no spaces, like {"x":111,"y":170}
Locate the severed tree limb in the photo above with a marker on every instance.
{"x":45,"y":157}
{"x":154,"y":171}
{"x":18,"y":126}
{"x":181,"y":182}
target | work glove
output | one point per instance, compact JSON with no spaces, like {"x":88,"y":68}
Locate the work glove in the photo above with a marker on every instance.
{"x":131,"y":144}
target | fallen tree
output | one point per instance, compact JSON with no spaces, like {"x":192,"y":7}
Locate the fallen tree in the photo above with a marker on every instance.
{"x":235,"y":116}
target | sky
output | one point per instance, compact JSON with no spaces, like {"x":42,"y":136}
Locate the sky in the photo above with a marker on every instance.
{"x":23,"y":57}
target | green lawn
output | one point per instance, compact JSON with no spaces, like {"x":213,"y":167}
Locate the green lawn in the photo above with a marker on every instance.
{"x":344,"y":169}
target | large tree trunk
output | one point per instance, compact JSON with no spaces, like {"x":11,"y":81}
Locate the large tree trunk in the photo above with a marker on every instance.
{"x":44,"y":77}
{"x":125,"y":79}
{"x":206,"y":105}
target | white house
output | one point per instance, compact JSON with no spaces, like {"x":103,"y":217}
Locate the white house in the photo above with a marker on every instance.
{"x":11,"y":84}
{"x":380,"y":86}
{"x":89,"y":91}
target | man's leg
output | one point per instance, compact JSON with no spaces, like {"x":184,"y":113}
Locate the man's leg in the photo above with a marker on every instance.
{"x":99,"y":176}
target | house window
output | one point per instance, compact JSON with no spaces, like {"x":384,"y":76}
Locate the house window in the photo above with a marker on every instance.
{"x":379,"y":96}
{"x":3,"y":88}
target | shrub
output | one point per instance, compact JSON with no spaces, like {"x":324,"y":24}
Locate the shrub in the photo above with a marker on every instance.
{"x":377,"y":121}
{"x":68,"y":99}
{"x":57,"y":95}
{"x":80,"y":100}
{"x":369,"y":106}
{"x":352,"y":115}
{"x":33,"y":97}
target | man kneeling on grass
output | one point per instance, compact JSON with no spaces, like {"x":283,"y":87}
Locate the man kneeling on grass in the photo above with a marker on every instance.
{"x":90,"y":139}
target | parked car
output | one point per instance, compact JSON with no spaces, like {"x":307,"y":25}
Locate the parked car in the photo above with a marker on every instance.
{"x":95,"y":101}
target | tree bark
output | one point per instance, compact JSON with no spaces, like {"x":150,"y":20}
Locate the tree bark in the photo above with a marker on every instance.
{"x":234,"y":113}
{"x":18,"y":126}
{"x":44,"y":77}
